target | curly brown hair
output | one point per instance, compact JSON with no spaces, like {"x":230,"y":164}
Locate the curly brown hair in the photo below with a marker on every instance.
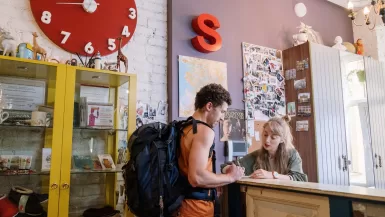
{"x":213,"y":93}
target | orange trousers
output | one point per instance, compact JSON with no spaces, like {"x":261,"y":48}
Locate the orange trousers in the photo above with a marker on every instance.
{"x":196,"y":208}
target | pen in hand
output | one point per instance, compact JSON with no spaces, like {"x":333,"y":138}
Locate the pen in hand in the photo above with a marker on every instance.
{"x":239,"y":164}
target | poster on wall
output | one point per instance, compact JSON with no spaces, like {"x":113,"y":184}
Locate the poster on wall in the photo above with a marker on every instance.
{"x":194,"y":73}
{"x":233,"y":127}
{"x":263,"y":82}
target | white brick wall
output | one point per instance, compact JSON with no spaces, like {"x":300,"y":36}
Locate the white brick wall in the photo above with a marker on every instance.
{"x":147,"y":56}
{"x":146,"y":53}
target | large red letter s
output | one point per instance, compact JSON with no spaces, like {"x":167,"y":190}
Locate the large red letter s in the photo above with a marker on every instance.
{"x":205,"y":25}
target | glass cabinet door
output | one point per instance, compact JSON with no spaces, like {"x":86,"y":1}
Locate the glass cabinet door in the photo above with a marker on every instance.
{"x":95,"y":140}
{"x":31,"y":124}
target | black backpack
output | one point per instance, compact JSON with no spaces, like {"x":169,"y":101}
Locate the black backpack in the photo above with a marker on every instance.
{"x":153,"y":184}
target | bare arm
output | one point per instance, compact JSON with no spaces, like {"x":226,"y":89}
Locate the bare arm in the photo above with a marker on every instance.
{"x":198,"y":175}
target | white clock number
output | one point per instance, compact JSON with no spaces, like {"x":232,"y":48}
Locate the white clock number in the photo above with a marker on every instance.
{"x":66,"y":36}
{"x":111,"y":44}
{"x":126,"y":32}
{"x":88,"y":48}
{"x":46,"y":17}
{"x":132,"y":13}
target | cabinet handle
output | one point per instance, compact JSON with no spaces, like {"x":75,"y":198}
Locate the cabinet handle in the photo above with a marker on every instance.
{"x":54,"y":186}
{"x":65,"y":186}
{"x":380,"y":161}
{"x":375,"y":160}
{"x":346,"y":163}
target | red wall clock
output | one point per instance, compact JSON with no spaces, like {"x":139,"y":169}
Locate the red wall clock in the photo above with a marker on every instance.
{"x":86,"y":26}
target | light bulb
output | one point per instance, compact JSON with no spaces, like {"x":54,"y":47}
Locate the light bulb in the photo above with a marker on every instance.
{"x":366,"y":10}
{"x":350,"y":5}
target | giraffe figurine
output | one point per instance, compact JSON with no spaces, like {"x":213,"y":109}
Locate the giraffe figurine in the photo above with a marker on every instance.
{"x":37,"y":49}
{"x":121,"y":56}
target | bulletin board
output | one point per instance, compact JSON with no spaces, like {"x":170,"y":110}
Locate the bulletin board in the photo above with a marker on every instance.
{"x":256,"y":137}
{"x":264,"y":83}
{"x":264,"y":89}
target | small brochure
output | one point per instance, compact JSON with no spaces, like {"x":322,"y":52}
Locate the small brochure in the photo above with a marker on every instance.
{"x":106,"y":161}
{"x":46,"y":159}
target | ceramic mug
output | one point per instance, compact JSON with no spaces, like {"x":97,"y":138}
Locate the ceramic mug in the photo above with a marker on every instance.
{"x":3,"y":116}
{"x":40,"y":119}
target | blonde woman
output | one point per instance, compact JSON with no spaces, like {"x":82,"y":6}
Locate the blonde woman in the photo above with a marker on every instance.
{"x":277,"y":159}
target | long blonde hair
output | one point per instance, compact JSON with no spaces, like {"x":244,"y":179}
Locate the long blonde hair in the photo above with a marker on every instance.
{"x":279,"y":126}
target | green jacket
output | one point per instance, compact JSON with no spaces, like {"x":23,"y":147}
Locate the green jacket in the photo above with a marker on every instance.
{"x":294,"y":163}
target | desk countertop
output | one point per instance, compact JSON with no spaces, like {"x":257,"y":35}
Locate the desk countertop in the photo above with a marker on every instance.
{"x":316,"y":188}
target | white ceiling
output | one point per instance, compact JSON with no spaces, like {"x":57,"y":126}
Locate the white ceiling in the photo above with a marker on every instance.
{"x":357,"y":3}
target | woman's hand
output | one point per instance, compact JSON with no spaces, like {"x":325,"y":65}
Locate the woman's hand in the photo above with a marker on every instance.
{"x":261,"y":174}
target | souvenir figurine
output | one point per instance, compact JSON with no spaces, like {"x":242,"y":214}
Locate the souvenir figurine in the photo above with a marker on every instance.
{"x":37,"y":49}
{"x":338,"y":44}
{"x":98,"y":61}
{"x":360,"y":47}
{"x":7,"y":43}
{"x":24,"y":50}
{"x":121,"y":56}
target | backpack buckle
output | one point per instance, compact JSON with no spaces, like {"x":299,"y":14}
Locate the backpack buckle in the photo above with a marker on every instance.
{"x":170,"y":166}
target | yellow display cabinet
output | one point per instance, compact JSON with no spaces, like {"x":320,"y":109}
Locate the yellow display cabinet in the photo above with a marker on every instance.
{"x":61,"y":149}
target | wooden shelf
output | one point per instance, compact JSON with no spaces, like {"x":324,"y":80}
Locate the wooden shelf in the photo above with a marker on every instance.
{"x":46,"y":173}
{"x":28,"y":69}
{"x":101,"y":77}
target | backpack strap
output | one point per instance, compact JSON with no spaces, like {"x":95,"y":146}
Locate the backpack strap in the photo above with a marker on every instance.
{"x":194,"y":122}
{"x":206,"y":194}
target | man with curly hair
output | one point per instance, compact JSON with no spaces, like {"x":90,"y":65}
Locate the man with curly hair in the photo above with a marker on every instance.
{"x":195,"y":162}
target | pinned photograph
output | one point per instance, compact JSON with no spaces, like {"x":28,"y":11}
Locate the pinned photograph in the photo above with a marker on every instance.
{"x":270,"y":88}
{"x":233,"y":126}
{"x":272,"y":52}
{"x":139,"y":121}
{"x":270,"y":96}
{"x":287,"y":74}
{"x":291,"y":108}
{"x":304,"y":111}
{"x":279,"y":92}
{"x":293,"y":74}
{"x":290,"y":74}
{"x":141,"y":109}
{"x":250,"y":114}
{"x":303,"y":97}
{"x":162,"y":109}
{"x":300,"y":66}
{"x":300,"y":84}
{"x":273,"y":66}
{"x":264,"y":88}
{"x":151,"y":112}
{"x":266,"y":63}
{"x":279,"y":77}
{"x":302,"y":126}
{"x":273,"y":80}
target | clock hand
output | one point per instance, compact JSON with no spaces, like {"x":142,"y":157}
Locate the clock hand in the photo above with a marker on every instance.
{"x":68,"y":3}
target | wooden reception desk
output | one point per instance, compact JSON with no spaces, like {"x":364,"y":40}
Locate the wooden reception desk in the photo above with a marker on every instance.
{"x":275,"y":198}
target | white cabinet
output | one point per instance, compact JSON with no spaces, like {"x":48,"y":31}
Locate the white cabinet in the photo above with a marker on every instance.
{"x":375,"y":79}
{"x":329,"y":115}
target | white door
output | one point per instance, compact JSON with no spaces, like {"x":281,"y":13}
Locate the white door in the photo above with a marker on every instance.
{"x":375,"y":84}
{"x":329,"y":115}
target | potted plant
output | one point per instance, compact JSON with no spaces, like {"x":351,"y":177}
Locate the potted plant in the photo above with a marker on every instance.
{"x":360,"y":75}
